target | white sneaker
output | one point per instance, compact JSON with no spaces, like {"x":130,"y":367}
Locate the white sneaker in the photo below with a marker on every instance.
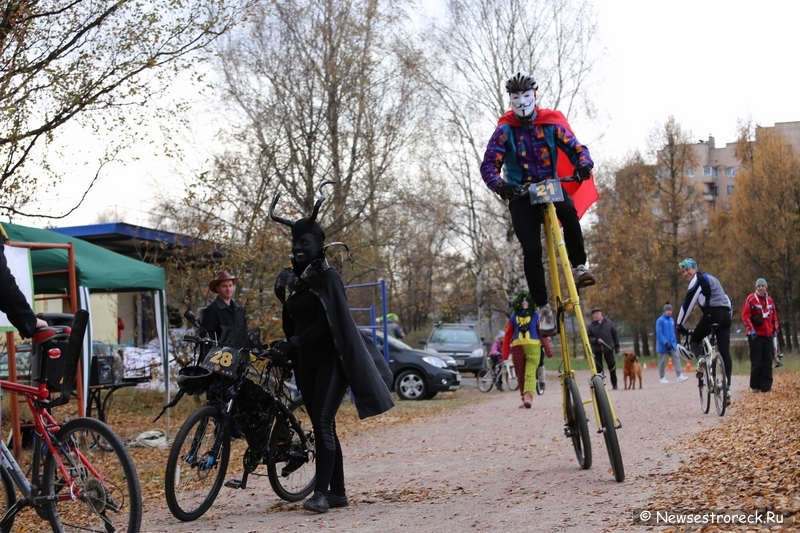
{"x":682,"y":378}
{"x":664,"y":380}
{"x":547,"y":322}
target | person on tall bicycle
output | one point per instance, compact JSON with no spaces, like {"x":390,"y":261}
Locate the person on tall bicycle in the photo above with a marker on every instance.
{"x":527,"y":143}
{"x":706,"y":291}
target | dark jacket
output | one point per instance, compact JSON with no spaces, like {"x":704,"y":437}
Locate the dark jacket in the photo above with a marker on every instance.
{"x":12,"y":302}
{"x":367,"y":372}
{"x":226,"y":322}
{"x":605,"y":330}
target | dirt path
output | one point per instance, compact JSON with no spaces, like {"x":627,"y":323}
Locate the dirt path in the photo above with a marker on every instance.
{"x":486,"y":467}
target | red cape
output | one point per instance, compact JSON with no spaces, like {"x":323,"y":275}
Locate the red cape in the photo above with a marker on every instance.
{"x":583,"y":194}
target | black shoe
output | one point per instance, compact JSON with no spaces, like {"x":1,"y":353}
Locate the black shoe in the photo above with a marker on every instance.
{"x":235,"y":430}
{"x":335,"y":501}
{"x":317,"y":503}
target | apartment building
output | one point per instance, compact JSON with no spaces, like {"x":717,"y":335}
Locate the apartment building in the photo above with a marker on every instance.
{"x":717,"y":166}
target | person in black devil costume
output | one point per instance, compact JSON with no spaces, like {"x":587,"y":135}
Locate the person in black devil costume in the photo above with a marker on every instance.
{"x":329,"y":353}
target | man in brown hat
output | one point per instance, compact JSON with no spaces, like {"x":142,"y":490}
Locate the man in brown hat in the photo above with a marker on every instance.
{"x":224,"y":317}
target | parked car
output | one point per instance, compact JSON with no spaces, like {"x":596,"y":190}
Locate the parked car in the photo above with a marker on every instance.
{"x":460,"y":341}
{"x":417,"y":375}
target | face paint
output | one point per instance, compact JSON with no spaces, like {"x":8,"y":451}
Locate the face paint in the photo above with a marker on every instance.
{"x":306,"y":249}
{"x":523,"y":104}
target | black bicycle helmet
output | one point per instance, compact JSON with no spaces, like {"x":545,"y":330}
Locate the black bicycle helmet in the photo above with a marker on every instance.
{"x":521,"y":82}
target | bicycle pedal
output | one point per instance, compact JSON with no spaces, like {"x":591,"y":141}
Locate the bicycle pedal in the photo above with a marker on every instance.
{"x":234,"y":483}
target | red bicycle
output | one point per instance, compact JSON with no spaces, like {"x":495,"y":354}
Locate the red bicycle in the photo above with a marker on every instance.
{"x":81,"y":476}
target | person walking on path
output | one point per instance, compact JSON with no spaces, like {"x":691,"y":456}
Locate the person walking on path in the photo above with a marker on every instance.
{"x":605,"y":343}
{"x":761,"y":323}
{"x":522,"y":341}
{"x":666,"y":345}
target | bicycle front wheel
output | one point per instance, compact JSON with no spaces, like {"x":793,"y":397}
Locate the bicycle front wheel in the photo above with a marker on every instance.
{"x":720,"y":385}
{"x":608,"y":427}
{"x":8,"y":499}
{"x":485,"y":380}
{"x":292,"y":466}
{"x":577,"y":428}
{"x":511,"y":378}
{"x":703,"y":384}
{"x":104,"y":480}
{"x":197,"y":463}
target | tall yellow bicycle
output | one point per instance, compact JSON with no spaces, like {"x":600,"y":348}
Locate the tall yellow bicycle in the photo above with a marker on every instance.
{"x":575,"y":422}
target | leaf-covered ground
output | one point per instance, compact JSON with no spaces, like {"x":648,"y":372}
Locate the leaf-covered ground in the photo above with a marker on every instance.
{"x":751,"y":463}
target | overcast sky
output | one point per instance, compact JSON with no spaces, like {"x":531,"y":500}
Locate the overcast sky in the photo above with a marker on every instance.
{"x":709,"y":63}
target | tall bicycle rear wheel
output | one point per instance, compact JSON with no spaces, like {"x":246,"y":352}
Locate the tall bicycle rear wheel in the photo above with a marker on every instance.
{"x":608,"y":427}
{"x":8,"y":499}
{"x":703,"y":384}
{"x":292,"y":465}
{"x":720,"y":384}
{"x":511,"y":377}
{"x":197,"y":463}
{"x":577,"y":428}
{"x":485,"y":379}
{"x":105,"y":480}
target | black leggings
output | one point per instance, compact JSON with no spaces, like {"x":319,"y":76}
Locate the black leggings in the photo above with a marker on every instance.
{"x":527,"y":221}
{"x":322,"y":383}
{"x":607,"y":354}
{"x":721,"y":316}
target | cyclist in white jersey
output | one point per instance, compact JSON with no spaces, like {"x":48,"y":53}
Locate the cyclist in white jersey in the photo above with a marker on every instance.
{"x":706,"y":291}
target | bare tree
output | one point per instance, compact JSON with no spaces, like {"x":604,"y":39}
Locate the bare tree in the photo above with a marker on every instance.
{"x":89,"y":62}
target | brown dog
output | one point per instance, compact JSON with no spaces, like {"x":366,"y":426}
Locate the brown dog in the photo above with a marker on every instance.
{"x":631,"y":369}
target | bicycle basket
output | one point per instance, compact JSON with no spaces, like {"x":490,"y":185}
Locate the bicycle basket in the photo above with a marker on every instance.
{"x":194,"y":380}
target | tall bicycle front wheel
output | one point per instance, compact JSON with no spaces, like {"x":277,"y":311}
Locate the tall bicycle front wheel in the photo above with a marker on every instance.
{"x":703,"y":385}
{"x":577,"y":429}
{"x":608,"y":427}
{"x":292,"y":465}
{"x":511,"y":378}
{"x":197,"y":463}
{"x":720,"y":384}
{"x":485,"y":380}
{"x":104,"y":480}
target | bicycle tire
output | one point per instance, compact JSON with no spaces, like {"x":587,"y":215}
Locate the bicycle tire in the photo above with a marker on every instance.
{"x":720,"y":385}
{"x":9,"y":499}
{"x":511,"y":378}
{"x":296,"y":457}
{"x":197,"y":464}
{"x":485,"y":380}
{"x":110,"y":502}
{"x":705,"y":393}
{"x":577,"y":426}
{"x":608,"y":427}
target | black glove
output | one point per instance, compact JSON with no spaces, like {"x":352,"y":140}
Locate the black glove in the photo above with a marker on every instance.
{"x":583,"y":172}
{"x":280,"y":353}
{"x":682,"y":330}
{"x":506,"y":191}
{"x":616,"y":350}
{"x":668,"y":346}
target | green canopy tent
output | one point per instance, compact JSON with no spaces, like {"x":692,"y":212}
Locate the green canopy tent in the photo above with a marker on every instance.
{"x":97,"y":270}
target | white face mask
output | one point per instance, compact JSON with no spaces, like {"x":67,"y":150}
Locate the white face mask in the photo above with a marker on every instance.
{"x":523,"y":104}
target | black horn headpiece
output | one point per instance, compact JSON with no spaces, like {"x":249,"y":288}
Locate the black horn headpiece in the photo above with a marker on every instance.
{"x":303,"y":225}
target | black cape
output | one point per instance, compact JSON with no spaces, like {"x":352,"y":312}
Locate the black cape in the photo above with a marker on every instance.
{"x":367,"y":371}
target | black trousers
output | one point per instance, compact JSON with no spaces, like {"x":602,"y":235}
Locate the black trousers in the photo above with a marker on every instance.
{"x":761,"y":363}
{"x":322,"y":383}
{"x":606,"y":353}
{"x":527,"y":221}
{"x":721,"y":316}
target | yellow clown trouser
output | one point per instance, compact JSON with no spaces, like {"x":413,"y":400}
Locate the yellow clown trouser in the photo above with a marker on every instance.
{"x":526,"y":360}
